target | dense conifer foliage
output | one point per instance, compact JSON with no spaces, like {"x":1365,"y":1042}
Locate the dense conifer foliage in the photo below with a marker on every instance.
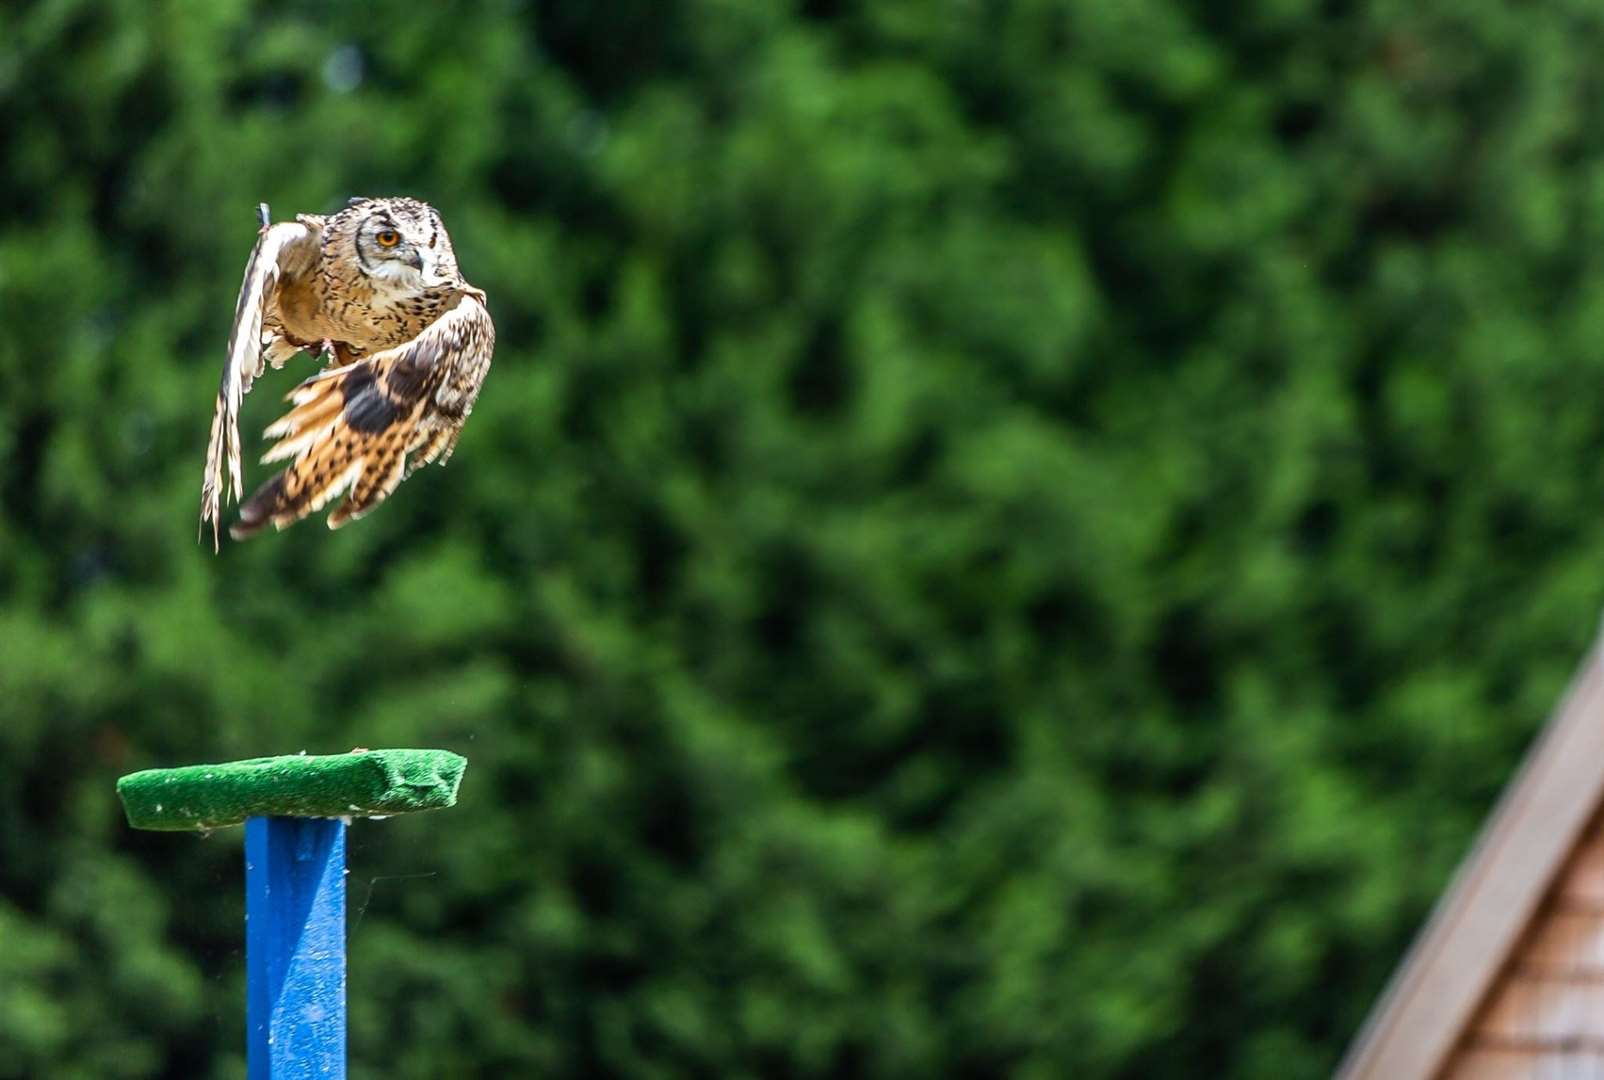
{"x":1001,"y":539}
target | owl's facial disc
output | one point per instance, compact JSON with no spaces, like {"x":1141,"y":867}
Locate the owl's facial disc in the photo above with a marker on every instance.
{"x":394,"y":254}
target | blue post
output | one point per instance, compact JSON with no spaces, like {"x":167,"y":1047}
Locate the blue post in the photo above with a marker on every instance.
{"x":295,"y":948}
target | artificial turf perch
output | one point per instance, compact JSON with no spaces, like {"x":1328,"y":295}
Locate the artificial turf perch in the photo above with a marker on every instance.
{"x":295,"y":810}
{"x":363,"y":783}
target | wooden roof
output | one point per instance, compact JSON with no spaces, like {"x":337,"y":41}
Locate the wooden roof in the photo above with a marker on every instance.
{"x":1544,"y":1016}
{"x":1509,"y":970}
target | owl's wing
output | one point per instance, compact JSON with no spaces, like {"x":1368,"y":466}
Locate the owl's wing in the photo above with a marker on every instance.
{"x":289,"y":246}
{"x":353,"y":427}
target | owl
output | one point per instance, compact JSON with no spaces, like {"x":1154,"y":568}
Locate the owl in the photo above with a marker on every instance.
{"x":376,"y":289}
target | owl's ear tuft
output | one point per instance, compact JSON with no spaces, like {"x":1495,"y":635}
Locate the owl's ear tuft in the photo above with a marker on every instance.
{"x":357,"y":200}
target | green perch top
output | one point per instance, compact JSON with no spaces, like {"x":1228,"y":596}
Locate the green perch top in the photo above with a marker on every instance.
{"x":363,"y":783}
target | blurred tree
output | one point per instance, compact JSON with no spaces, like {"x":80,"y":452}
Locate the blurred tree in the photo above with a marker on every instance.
{"x":1002,"y":538}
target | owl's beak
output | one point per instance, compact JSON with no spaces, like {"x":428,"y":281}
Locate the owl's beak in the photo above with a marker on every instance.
{"x":431,"y":276}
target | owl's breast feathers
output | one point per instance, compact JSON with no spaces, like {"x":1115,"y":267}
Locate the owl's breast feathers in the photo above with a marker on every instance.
{"x":337,"y":303}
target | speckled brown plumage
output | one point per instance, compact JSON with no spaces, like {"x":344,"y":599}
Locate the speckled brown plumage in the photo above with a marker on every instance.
{"x":377,"y":286}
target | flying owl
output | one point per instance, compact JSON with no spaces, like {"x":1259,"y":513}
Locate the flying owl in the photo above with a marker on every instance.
{"x":375,"y":287}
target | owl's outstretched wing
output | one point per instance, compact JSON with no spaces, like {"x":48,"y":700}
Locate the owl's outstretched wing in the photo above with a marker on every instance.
{"x":353,"y":427}
{"x":288,"y":248}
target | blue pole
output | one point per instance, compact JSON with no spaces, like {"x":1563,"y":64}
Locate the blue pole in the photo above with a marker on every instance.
{"x":295,"y":948}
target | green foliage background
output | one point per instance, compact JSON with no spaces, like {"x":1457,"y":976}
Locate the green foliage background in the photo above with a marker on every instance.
{"x":1002,"y":538}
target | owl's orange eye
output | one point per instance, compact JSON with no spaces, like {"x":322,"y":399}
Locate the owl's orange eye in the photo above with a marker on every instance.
{"x":387,"y":237}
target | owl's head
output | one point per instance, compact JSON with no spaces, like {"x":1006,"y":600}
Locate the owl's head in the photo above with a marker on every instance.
{"x":402,"y":243}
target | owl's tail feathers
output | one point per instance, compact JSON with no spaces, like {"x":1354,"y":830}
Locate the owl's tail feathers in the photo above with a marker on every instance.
{"x":348,"y":434}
